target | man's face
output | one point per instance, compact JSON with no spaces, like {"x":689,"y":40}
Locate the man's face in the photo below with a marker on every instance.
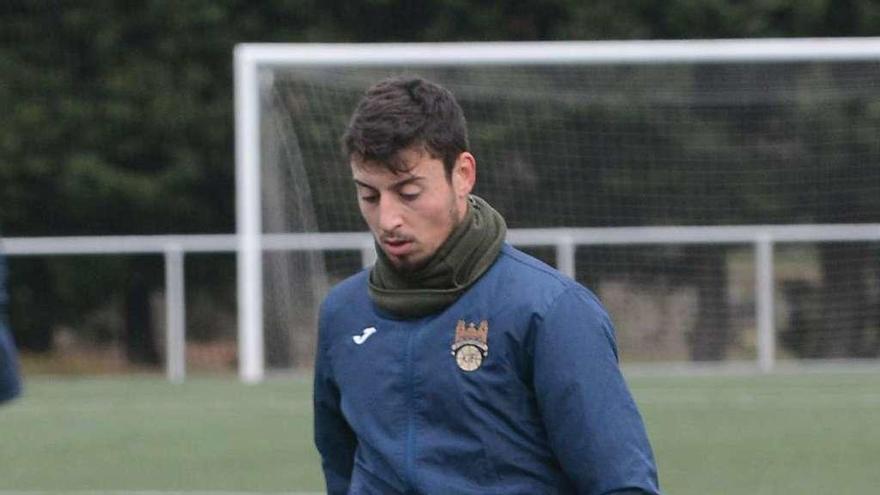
{"x":412,"y":213}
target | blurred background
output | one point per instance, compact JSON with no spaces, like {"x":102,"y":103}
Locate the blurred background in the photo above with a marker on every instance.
{"x":118,"y":120}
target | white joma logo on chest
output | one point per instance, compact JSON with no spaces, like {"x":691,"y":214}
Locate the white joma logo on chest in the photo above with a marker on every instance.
{"x":365,"y":334}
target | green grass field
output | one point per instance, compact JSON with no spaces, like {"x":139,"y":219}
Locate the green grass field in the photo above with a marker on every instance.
{"x":797,"y":433}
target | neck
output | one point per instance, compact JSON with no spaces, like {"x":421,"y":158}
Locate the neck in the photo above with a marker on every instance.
{"x":466,"y":254}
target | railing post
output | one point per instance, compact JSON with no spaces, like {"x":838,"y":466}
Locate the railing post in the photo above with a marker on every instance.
{"x":565,"y":250}
{"x":368,"y":255}
{"x":764,"y":316}
{"x":175,"y":315}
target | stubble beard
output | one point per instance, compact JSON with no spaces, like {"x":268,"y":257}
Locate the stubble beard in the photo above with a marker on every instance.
{"x":407,"y":265}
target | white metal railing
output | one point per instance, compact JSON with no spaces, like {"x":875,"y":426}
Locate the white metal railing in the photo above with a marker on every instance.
{"x":565,"y":240}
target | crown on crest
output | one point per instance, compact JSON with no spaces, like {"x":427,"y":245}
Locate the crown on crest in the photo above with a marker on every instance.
{"x":472,"y":332}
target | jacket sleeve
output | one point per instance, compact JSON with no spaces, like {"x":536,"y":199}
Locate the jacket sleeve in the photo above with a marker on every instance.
{"x":591,"y":419}
{"x":10,"y":382}
{"x":334,"y":438}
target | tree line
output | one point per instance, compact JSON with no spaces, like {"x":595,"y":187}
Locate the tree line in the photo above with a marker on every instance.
{"x":119,"y":121}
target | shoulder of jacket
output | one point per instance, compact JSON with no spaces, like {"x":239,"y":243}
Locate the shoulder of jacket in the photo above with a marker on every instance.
{"x":345,"y":293}
{"x":544,"y":284}
{"x":535,"y":271}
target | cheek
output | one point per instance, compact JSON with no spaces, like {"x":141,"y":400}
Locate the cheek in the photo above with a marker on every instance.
{"x":367,"y":213}
{"x":440,"y":218}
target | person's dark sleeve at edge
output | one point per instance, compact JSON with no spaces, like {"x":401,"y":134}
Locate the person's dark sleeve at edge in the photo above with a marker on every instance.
{"x":10,"y":381}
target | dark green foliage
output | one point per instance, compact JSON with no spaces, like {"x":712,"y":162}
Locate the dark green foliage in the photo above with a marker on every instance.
{"x":118,"y":115}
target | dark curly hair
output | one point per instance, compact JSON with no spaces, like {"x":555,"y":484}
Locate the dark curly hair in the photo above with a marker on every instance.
{"x":401,"y":112}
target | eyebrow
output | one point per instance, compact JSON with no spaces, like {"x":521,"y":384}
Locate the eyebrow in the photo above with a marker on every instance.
{"x":396,"y":185}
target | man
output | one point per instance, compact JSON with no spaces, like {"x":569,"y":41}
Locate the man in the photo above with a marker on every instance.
{"x":10,"y":384}
{"x":458,"y":364}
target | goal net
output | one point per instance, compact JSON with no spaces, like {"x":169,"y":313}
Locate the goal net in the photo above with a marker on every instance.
{"x":564,"y":144}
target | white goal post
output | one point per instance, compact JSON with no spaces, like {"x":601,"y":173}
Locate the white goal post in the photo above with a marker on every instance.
{"x":250,"y":59}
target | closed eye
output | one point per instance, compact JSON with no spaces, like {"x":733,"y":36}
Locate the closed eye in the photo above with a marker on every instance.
{"x":366,"y":193}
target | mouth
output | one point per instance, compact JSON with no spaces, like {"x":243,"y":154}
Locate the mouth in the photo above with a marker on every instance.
{"x":397,"y":247}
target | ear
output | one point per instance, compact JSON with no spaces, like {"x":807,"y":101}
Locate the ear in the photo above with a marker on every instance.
{"x":464,"y":174}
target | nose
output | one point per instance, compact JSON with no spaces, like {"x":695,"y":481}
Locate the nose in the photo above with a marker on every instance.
{"x":390,"y":214}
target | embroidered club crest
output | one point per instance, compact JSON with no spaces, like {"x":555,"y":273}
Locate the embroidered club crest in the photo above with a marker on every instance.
{"x":471,"y":344}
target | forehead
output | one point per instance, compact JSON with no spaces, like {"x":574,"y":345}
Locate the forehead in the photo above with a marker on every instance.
{"x":416,"y":163}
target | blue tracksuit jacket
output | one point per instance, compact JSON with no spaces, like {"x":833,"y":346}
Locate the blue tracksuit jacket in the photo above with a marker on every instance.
{"x":545,"y":411}
{"x":10,"y":384}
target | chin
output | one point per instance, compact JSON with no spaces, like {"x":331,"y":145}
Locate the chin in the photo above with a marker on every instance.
{"x":408,"y":264}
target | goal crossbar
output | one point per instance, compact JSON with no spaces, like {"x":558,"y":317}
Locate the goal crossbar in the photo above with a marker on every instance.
{"x":561,"y":52}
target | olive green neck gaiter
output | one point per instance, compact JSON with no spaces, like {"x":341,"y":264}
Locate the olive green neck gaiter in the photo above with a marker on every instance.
{"x":468,"y":252}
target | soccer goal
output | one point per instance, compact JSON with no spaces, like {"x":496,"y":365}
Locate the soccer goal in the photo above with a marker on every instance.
{"x":721,"y":197}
